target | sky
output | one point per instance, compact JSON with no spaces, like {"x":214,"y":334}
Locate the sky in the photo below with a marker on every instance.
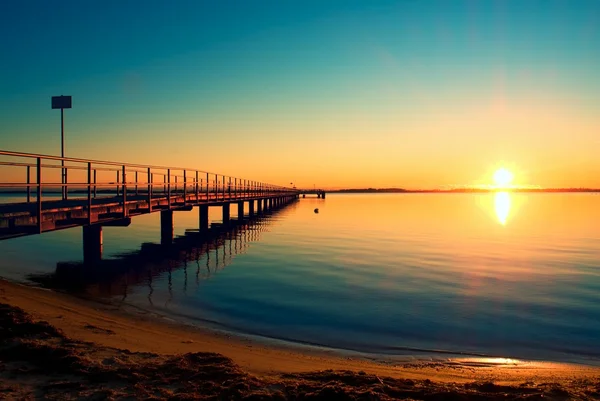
{"x":334,"y":94}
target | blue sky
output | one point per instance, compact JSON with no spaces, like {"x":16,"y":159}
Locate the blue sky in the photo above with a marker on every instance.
{"x":324,"y":83}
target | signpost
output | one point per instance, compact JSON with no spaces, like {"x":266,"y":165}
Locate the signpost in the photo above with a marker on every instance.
{"x":62,"y":102}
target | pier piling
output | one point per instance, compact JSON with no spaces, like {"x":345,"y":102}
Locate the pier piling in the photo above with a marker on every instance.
{"x":203,"y":218}
{"x":226,"y":211}
{"x":240,"y":210}
{"x":92,"y":243}
{"x":166,"y":227}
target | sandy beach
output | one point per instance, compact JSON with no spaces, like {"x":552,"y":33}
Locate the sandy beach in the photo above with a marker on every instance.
{"x":57,"y":346}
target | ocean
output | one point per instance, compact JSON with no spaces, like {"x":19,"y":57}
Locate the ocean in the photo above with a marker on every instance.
{"x":408,"y":276}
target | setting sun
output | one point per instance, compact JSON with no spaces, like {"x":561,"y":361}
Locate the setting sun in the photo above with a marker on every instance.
{"x":503,"y":177}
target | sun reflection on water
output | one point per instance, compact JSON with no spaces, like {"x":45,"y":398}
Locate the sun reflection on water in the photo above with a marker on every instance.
{"x":502,"y":206}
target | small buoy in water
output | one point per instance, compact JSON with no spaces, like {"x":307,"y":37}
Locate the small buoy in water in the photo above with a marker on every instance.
{"x":317,"y":210}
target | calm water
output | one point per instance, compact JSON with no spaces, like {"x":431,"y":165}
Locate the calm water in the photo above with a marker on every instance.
{"x":514,"y":275}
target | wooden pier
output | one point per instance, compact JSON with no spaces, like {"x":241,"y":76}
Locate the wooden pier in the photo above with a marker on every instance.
{"x":53,"y":193}
{"x":319,"y":192}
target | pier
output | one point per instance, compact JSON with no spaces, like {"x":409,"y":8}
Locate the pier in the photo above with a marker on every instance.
{"x":319,"y":192}
{"x":47,"y":193}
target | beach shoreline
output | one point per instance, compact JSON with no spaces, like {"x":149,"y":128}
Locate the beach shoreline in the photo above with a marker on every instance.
{"x":131,"y":331}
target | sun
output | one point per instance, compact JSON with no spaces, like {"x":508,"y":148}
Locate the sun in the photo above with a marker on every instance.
{"x":503,"y":178}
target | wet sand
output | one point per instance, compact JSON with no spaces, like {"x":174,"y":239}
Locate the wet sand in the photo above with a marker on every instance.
{"x":53,"y":345}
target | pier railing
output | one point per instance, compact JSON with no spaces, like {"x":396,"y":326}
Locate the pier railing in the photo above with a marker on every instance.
{"x":35,"y":177}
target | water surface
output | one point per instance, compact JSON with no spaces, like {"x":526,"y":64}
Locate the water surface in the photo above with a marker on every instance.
{"x":513,"y":275}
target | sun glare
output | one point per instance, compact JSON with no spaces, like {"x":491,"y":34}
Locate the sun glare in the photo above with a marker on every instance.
{"x":502,"y":206}
{"x":503,"y":178}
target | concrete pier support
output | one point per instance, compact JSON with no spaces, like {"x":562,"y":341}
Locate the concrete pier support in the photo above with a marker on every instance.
{"x":92,"y":243}
{"x":259,"y":206}
{"x":323,"y":195}
{"x":166,"y":227}
{"x":251,"y":208}
{"x":270,"y":203}
{"x":240,"y":210}
{"x":203,"y":218}
{"x":266,"y":204}
{"x":226,"y":211}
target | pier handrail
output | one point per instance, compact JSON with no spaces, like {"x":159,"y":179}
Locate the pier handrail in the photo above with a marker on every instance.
{"x":89,"y":182}
{"x":109,"y":163}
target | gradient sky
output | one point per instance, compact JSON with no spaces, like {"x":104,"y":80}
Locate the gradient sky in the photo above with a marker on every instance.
{"x":414,"y":93}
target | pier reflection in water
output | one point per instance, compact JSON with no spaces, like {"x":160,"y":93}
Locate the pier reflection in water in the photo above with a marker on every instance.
{"x":193,"y":256}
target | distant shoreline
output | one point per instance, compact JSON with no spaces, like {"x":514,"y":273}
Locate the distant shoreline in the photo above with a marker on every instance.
{"x":368,"y":191}
{"x":462,"y":190}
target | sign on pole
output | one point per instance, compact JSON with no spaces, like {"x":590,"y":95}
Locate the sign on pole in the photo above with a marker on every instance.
{"x":61,"y":102}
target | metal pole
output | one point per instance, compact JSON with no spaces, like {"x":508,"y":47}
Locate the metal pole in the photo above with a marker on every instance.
{"x":150,"y":179}
{"x":89,"y":194}
{"x":39,"y":194}
{"x":169,"y":187}
{"x":124,"y":193}
{"x":28,"y":182}
{"x":62,"y":151}
{"x":184,"y":187}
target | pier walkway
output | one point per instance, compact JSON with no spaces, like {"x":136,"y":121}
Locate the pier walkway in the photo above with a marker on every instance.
{"x":41,"y":193}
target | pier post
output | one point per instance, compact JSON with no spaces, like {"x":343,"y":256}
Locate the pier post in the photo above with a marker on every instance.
{"x":166,"y":227}
{"x":92,"y":243}
{"x":323,"y":194}
{"x":226,"y":211}
{"x":259,"y":206}
{"x":251,"y":208}
{"x":203,"y":220}
{"x":240,"y":210}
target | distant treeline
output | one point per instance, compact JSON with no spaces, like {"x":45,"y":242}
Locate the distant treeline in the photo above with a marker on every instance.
{"x":369,"y":190}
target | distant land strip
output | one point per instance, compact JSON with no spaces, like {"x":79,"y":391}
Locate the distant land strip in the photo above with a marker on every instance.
{"x":350,"y":190}
{"x":460,"y":190}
